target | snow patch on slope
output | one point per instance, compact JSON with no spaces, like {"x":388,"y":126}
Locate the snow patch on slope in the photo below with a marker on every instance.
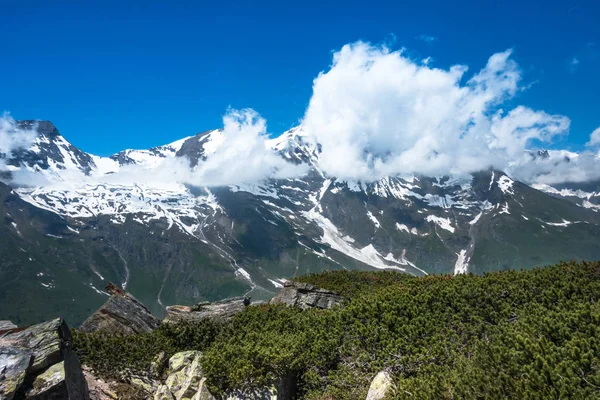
{"x":462,"y":263}
{"x":443,"y":223}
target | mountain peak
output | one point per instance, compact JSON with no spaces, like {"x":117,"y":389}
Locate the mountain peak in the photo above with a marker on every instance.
{"x":45,"y":128}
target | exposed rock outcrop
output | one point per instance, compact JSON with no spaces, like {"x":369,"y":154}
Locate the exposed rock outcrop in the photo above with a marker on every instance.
{"x":286,"y":388}
{"x":39,"y":363}
{"x":5,"y":325}
{"x":122,"y":313}
{"x":185,"y":379}
{"x":224,"y":309}
{"x":98,"y":388}
{"x":305,"y":295}
{"x":381,"y":386}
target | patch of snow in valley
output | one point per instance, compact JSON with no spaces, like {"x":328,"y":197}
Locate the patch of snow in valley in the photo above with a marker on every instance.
{"x":563,"y":223}
{"x":332,"y":237}
{"x":474,"y":220}
{"x":462,"y":263}
{"x":587,"y":204}
{"x":443,"y":223}
{"x":565,"y":192}
{"x":276,"y":284}
{"x":412,"y":231}
{"x":373,"y":219}
{"x":504,"y":209}
{"x":244,"y":273}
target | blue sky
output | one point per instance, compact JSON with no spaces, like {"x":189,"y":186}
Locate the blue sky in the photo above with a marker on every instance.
{"x":135,"y":74}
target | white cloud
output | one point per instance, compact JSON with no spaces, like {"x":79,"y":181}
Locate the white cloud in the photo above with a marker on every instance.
{"x":377,"y":112}
{"x":594,"y":138}
{"x":12,"y":138}
{"x":427,"y":38}
{"x":242,"y":155}
{"x":237,"y":154}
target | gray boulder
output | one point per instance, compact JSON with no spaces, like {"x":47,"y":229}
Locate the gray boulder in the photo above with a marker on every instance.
{"x":185,"y":379}
{"x":122,"y":313}
{"x":39,"y":363}
{"x":6,"y":325}
{"x":305,"y":295}
{"x":224,"y":310}
{"x":285,"y":388}
{"x":98,"y":388}
{"x":14,"y":362}
{"x":381,"y":387}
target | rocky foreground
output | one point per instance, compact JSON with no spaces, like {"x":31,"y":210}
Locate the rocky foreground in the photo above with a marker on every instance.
{"x":38,"y":362}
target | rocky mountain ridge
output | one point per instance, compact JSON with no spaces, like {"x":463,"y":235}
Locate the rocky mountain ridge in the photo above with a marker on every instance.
{"x":72,"y":222}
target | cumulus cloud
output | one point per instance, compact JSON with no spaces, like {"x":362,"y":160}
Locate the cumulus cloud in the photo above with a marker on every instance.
{"x":377,"y":112}
{"x":242,"y":155}
{"x":594,"y":138}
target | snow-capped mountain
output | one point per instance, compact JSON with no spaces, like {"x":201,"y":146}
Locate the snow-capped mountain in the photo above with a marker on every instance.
{"x":74,"y":221}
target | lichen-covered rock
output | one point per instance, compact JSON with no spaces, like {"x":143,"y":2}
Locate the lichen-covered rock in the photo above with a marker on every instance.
{"x":144,"y":383}
{"x":224,"y":310}
{"x":122,"y":313}
{"x":185,"y":376}
{"x":305,"y":295}
{"x":184,"y":380}
{"x":52,"y":371}
{"x":6,"y":325}
{"x":203,"y":393}
{"x":381,"y":386}
{"x":13,"y":369}
{"x":158,"y":365}
{"x":51,"y":381}
{"x":163,"y":393}
{"x":180,"y":360}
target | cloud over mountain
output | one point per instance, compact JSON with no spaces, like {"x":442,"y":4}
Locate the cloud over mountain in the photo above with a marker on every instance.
{"x":374,"y":113}
{"x":12,"y":138}
{"x":377,"y":112}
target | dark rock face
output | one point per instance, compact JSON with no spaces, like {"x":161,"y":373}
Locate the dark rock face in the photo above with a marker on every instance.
{"x":306,"y":296}
{"x":193,"y":148}
{"x":122,"y":313}
{"x":38,"y":363}
{"x":56,"y":148}
{"x":224,"y":309}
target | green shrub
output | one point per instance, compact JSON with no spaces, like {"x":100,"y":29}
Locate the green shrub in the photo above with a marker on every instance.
{"x":527,"y":335}
{"x":118,"y":356}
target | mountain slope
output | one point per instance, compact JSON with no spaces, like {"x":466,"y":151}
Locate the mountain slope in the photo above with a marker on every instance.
{"x":118,"y":218}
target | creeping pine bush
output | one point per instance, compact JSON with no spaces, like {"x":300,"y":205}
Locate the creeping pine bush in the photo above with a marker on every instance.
{"x":527,"y":335}
{"x":118,"y":356}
